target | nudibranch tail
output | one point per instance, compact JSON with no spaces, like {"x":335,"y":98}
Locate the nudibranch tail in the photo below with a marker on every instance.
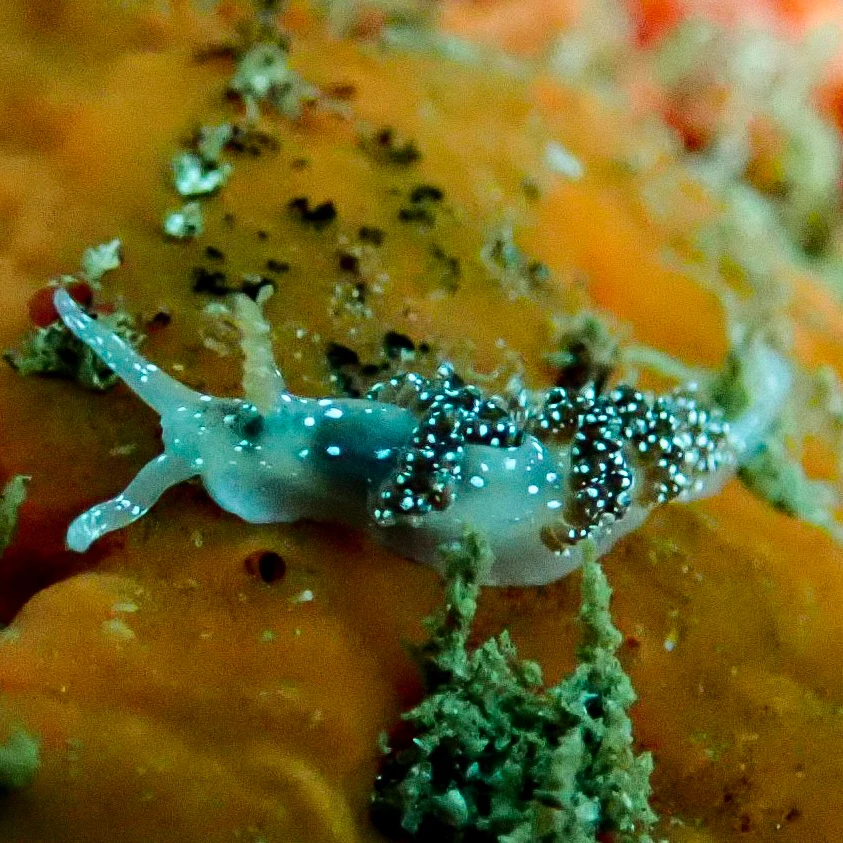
{"x":151,"y":482}
{"x":152,"y":385}
{"x":768,"y":380}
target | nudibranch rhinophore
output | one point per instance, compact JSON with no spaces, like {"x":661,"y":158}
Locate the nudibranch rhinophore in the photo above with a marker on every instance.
{"x":420,"y":458}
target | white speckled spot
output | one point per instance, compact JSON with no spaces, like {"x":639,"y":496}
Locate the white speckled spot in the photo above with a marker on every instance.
{"x":119,"y":629}
{"x":561,"y":161}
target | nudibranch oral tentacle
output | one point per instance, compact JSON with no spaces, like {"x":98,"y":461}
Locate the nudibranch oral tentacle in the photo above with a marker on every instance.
{"x":134,"y":502}
{"x":420,"y":458}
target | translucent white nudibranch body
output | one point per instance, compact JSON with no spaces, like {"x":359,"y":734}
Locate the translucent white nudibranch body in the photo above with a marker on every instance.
{"x":415,"y":472}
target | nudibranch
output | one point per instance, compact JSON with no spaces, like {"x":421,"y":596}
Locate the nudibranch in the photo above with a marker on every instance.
{"x":418,"y":458}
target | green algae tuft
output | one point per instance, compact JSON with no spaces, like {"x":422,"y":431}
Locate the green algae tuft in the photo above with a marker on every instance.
{"x":492,"y":755}
{"x":20,"y":758}
{"x":54,"y":351}
{"x":14,"y":494}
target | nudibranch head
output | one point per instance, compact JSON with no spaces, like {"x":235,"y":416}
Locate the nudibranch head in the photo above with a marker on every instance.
{"x":418,"y":458}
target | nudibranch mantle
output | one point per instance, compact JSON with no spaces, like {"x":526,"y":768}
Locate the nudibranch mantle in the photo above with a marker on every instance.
{"x":419,"y":459}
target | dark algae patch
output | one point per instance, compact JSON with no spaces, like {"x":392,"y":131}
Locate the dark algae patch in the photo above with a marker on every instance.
{"x":341,"y":355}
{"x":385,"y":148}
{"x":211,"y":281}
{"x":518,"y":273}
{"x":273,"y":265}
{"x":252,"y":142}
{"x":422,"y":205}
{"x":586,"y":354}
{"x":349,"y":262}
{"x":319,"y":216}
{"x":215,"y":282}
{"x":447,"y":267}
{"x":490,"y":754}
{"x":371,"y":234}
{"x":354,"y":375}
{"x":397,"y":345}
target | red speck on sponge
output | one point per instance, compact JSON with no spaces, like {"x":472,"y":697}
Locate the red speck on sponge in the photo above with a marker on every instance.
{"x":42,"y":311}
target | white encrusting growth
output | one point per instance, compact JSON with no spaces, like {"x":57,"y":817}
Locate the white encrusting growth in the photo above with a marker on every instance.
{"x":420,"y":459}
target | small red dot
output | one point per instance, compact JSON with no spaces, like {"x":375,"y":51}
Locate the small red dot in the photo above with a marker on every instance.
{"x":42,"y":311}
